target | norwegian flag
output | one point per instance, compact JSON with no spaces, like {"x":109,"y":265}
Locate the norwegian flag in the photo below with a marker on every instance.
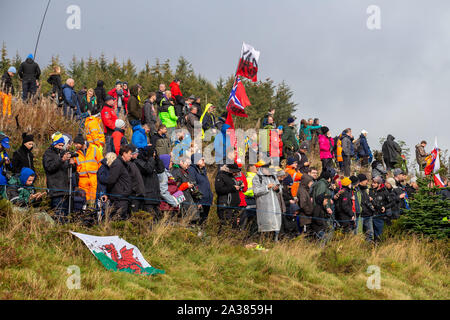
{"x":248,"y":62}
{"x":238,"y":99}
{"x":433,"y":166}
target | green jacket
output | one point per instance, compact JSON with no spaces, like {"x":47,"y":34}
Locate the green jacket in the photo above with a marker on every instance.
{"x":18,"y":194}
{"x":289,"y":140}
{"x":167,"y":114}
{"x":321,"y":186}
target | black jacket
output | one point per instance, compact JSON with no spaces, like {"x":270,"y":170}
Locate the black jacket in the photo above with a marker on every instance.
{"x":57,"y":172}
{"x":367,"y":208}
{"x":137,"y":182}
{"x":201,"y":179}
{"x":102,"y":178}
{"x":181,"y":176}
{"x":119,"y":183}
{"x":7,"y":84}
{"x":55,"y":81}
{"x":224,"y":185}
{"x":134,"y":108}
{"x":29,"y":70}
{"x":381,"y":199}
{"x":209,"y":121}
{"x":148,"y":116}
{"x":100,"y":93}
{"x":149,"y":168}
{"x":344,"y":205}
{"x":159,"y":97}
{"x":391,"y":150}
{"x":22,"y":158}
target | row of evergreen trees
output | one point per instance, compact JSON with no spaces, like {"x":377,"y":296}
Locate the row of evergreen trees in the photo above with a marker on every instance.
{"x":86,"y":72}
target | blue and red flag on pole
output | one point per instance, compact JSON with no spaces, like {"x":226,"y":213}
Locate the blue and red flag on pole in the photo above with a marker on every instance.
{"x":238,"y":99}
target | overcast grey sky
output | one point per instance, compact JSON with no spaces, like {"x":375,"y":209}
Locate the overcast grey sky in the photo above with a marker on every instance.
{"x":393,"y":80}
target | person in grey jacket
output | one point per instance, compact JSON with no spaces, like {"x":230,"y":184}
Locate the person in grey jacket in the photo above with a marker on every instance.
{"x":149,"y":113}
{"x":347,"y":150}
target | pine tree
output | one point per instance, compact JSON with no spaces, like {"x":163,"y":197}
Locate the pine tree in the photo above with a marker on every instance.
{"x":5,"y":62}
{"x":429,"y":212}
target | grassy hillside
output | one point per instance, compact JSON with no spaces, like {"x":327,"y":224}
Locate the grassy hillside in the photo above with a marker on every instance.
{"x":35,"y":256}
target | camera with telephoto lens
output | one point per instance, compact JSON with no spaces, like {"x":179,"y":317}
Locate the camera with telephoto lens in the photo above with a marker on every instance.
{"x":73,"y":154}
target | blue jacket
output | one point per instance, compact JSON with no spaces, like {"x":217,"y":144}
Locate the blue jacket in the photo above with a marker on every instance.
{"x":364,"y":150}
{"x":71,"y":98}
{"x":4,"y":168}
{"x":139,"y":138}
{"x":200,"y":177}
{"x":222,"y":142}
{"x":102,"y":178}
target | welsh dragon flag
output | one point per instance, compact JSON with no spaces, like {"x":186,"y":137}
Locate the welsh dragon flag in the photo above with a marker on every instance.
{"x":118,"y":255}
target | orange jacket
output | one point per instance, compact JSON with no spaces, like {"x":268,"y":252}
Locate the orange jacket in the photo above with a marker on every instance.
{"x":94,"y":131}
{"x":296,"y":177}
{"x":89,"y":162}
{"x":339,"y":149}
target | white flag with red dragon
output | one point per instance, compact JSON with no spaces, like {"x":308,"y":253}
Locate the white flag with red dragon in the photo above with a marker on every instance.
{"x":118,"y":255}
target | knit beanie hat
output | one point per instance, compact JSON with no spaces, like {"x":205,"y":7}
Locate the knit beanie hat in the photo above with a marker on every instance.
{"x":354,"y":180}
{"x":57,"y":138}
{"x":346,"y":182}
{"x":392,"y":182}
{"x":27,"y":137}
{"x":79,"y":139}
{"x":291,"y":161}
{"x":165,"y":158}
{"x":120,"y":124}
{"x":362,"y":177}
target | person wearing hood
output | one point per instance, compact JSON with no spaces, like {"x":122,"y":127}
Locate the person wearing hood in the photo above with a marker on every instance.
{"x":149,"y":113}
{"x":267,"y":189}
{"x":150,"y":165}
{"x":391,"y":152}
{"x":118,"y":137}
{"x":29,"y":73}
{"x":109,"y":116}
{"x":23,"y":157}
{"x":57,"y":163}
{"x":140,"y":138}
{"x":137,"y":182}
{"x":197,"y":172}
{"x":134,"y":108}
{"x":100,"y":93}
{"x":94,"y":131}
{"x":55,"y":81}
{"x":88,"y":162}
{"x":208,"y":119}
{"x":5,"y":163}
{"x":321,"y":225}
{"x":227,"y":189}
{"x":7,"y":90}
{"x":21,"y":191}
{"x":167,"y":113}
{"x":71,"y":106}
{"x":175,"y":90}
{"x":326,"y":146}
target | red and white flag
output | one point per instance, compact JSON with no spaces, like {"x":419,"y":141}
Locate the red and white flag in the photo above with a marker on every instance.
{"x":248,"y":63}
{"x":238,"y":99}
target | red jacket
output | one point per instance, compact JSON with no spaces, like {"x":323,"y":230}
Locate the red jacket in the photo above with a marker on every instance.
{"x":242,"y":178}
{"x":109,"y":118}
{"x":117,"y":139}
{"x":175,"y":89}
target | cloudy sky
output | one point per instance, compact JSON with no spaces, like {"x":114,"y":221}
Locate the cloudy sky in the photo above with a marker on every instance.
{"x":393,"y":80}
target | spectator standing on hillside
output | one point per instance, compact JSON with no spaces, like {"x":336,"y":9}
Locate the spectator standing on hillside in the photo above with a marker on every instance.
{"x":391,"y":152}
{"x":23,"y":157}
{"x":149,"y":113}
{"x":347,"y":150}
{"x":109,"y":117}
{"x":421,"y":155}
{"x":167,"y":114}
{"x":100,"y":93}
{"x":290,"y":143}
{"x":71,"y":106}
{"x":197,"y":172}
{"x":364,"y":150}
{"x":29,"y":73}
{"x":326,"y":145}
{"x":134,"y":106}
{"x":7,"y":90}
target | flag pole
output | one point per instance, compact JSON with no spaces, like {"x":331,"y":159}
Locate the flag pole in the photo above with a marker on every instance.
{"x":39,"y":34}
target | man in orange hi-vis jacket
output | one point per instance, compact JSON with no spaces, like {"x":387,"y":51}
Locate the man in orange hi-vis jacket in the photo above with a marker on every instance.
{"x":94,"y":132}
{"x":296,"y":175}
{"x":88,"y":162}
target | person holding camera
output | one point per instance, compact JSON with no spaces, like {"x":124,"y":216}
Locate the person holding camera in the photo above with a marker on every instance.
{"x":150,"y":166}
{"x":197,"y":171}
{"x":189,"y":187}
{"x":382,"y":205}
{"x":227,"y":189}
{"x":57,"y":164}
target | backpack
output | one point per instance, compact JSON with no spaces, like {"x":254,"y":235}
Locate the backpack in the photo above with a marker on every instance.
{"x":357,"y":145}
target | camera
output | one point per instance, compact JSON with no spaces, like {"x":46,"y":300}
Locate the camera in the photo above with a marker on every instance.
{"x":73,"y":154}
